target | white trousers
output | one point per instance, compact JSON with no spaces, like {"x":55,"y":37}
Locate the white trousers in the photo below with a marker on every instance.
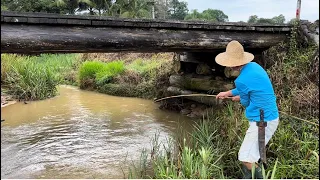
{"x":249,"y":150}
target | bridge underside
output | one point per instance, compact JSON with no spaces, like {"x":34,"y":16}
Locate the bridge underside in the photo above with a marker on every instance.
{"x":50,"y":33}
{"x":64,"y":39}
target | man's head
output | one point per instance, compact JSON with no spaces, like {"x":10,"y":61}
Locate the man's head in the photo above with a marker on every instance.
{"x":234,"y":56}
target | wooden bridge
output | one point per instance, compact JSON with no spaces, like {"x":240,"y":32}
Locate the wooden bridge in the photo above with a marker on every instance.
{"x":53,"y":33}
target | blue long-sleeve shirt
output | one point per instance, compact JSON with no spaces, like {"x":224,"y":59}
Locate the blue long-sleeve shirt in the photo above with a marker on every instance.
{"x":256,"y":92}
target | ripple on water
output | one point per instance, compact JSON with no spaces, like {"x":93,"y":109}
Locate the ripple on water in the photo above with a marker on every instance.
{"x":80,"y":134}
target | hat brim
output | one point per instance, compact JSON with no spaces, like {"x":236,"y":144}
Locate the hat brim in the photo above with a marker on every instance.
{"x":224,"y":60}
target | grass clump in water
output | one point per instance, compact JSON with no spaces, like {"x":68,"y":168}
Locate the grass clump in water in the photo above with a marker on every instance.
{"x":35,"y":77}
{"x":109,"y":71}
{"x":144,"y":78}
{"x":94,"y":73}
{"x":87,"y":73}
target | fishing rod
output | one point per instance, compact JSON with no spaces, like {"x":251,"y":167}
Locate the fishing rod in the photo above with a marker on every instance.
{"x":188,"y":95}
{"x":209,"y":95}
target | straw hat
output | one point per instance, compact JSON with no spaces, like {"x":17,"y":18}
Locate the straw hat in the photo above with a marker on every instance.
{"x":234,"y":55}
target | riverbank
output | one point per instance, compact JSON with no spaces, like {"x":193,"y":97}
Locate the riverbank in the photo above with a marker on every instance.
{"x":6,"y":100}
{"x":212,"y":152}
{"x":215,"y":142}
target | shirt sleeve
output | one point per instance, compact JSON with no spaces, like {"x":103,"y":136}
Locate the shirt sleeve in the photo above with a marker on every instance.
{"x":244,"y":94}
{"x":235,"y":92}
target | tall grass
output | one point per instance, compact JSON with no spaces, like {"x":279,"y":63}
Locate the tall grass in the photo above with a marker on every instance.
{"x":109,"y":71}
{"x":87,"y":73}
{"x":138,"y":78}
{"x":95,"y":73}
{"x":293,"y":150}
{"x":34,"y":77}
{"x":214,"y":144}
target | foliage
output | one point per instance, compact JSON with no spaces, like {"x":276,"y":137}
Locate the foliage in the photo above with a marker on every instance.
{"x":208,"y":15}
{"x":294,"y":80}
{"x":275,"y":20}
{"x":211,"y":150}
{"x":141,"y":78}
{"x":35,"y":77}
{"x":137,"y":9}
{"x":177,"y":9}
{"x":109,"y":71}
{"x":87,"y":73}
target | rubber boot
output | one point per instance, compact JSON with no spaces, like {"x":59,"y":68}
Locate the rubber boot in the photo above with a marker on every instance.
{"x":258,"y":173}
{"x":246,"y":172}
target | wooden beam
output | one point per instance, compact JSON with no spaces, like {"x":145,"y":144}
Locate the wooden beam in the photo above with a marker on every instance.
{"x":28,"y":38}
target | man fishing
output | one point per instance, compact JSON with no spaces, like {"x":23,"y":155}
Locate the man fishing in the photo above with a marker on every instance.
{"x":254,"y":90}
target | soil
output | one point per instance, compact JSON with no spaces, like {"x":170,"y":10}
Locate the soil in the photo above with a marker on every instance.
{"x":6,"y":100}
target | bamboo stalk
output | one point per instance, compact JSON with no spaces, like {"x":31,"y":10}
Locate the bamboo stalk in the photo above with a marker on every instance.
{"x":209,"y":95}
{"x":299,"y":118}
{"x":188,"y":95}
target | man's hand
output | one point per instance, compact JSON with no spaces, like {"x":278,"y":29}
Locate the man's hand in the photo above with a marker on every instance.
{"x":223,"y":95}
{"x":236,"y":98}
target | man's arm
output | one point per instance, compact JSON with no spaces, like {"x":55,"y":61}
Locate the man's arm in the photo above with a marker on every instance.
{"x":244,"y":94}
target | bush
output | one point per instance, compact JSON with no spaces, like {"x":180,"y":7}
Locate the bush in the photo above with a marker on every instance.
{"x":25,"y":79}
{"x":211,"y":150}
{"x":109,"y":71}
{"x":87,"y":73}
{"x":35,"y":77}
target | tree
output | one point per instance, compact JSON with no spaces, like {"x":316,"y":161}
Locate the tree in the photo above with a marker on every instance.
{"x":207,"y":15}
{"x":137,"y":9}
{"x":279,"y":19}
{"x":177,"y":10}
{"x":275,"y":20}
{"x":265,"y":21}
{"x":30,"y":5}
{"x":194,"y":15}
{"x":161,"y":9}
{"x":214,"y":15}
{"x":253,"y":19}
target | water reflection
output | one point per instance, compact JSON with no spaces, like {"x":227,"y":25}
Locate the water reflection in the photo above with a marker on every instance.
{"x":80,"y":134}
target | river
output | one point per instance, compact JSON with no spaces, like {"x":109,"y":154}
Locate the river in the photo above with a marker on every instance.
{"x":81,"y":134}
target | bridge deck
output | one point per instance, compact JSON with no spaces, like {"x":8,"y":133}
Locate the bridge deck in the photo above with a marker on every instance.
{"x":101,"y":21}
{"x":42,"y":32}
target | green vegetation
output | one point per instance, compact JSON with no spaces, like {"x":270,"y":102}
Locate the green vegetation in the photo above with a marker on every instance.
{"x":213,"y":148}
{"x":208,"y":15}
{"x":163,"y":9}
{"x":214,"y":144}
{"x":139,"y":78}
{"x":36,"y":77}
{"x":95,"y":73}
{"x":275,"y":20}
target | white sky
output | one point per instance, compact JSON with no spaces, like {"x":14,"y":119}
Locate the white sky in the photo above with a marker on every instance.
{"x":240,"y":10}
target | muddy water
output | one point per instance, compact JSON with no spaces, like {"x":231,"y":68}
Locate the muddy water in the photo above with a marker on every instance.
{"x":80,"y":134}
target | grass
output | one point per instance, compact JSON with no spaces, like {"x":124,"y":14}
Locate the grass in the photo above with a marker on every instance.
{"x":213,"y":149}
{"x":143,"y":78}
{"x":214,"y":143}
{"x":36,"y":77}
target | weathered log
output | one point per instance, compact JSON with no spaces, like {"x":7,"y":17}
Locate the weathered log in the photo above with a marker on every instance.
{"x":310,"y":34}
{"x":203,"y":69}
{"x":203,"y":83}
{"x":27,"y":38}
{"x":229,"y":73}
{"x":204,"y":100}
{"x":176,"y":63}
